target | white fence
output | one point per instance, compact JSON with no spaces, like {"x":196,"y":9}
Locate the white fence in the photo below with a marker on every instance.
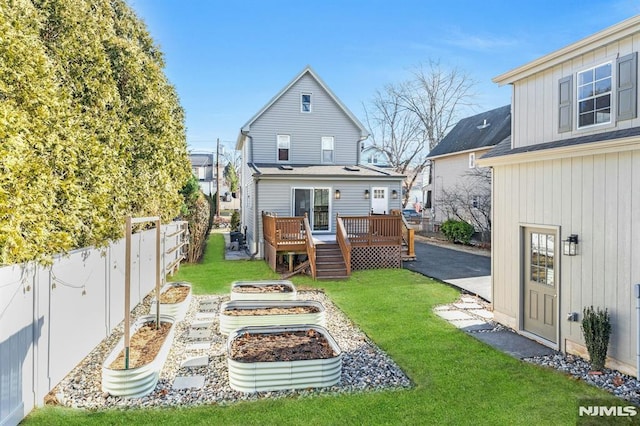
{"x":52,"y":317}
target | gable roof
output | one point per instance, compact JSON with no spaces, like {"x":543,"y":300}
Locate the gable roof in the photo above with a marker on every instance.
{"x":364,"y":133}
{"x":479,"y":131}
{"x":587,"y":44}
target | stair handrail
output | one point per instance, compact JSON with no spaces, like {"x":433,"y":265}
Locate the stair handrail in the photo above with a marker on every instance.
{"x":311,"y":247}
{"x":345,"y":245}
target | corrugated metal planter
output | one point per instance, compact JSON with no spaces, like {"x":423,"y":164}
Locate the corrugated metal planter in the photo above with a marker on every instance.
{"x":264,"y":290}
{"x":139,"y":381}
{"x":228,"y":323}
{"x":176,"y":310}
{"x":279,"y":375}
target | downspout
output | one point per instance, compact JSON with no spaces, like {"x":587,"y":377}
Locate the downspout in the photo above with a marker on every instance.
{"x":256,"y":218}
{"x":637,"y":294}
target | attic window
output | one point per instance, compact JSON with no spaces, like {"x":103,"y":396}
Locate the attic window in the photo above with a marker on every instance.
{"x":305,"y":102}
{"x":484,"y":125}
{"x":351,"y":168}
{"x":285,"y":167}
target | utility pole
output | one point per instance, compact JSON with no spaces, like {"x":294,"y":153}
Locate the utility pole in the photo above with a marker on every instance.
{"x":218,"y":178}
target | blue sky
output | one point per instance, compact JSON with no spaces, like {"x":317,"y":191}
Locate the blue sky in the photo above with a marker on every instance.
{"x":228,"y":58}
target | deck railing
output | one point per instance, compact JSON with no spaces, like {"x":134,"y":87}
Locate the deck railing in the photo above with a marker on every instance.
{"x":408,"y":238}
{"x":283,"y":232}
{"x":373,"y":230}
{"x":343,"y":241}
{"x":311,"y":248}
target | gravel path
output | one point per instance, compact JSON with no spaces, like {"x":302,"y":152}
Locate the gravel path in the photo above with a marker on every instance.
{"x":365,"y":367}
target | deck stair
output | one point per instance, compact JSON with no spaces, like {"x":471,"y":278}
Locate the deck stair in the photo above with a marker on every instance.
{"x":329,"y":262}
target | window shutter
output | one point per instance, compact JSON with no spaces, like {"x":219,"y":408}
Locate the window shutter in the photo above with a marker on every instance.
{"x":627,"y":87}
{"x":565,"y":101}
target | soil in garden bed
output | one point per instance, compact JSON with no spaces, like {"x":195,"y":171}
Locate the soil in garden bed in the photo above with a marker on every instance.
{"x":174,"y":294}
{"x":144,"y":345}
{"x":271,"y":288}
{"x":286,"y":346}
{"x":272,"y":311}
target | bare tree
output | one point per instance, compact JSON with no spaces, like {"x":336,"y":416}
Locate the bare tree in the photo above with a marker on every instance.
{"x":408,"y":119}
{"x":470,"y":199}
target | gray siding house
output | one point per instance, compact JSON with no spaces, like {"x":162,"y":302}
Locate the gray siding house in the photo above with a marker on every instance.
{"x":571,"y":173}
{"x":301,"y":155}
{"x":458,"y":187}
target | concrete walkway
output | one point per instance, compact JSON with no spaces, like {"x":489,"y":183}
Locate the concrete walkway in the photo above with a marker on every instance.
{"x":468,"y":271}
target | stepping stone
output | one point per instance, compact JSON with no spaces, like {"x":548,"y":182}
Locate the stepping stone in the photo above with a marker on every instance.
{"x":201,"y":324}
{"x":467,"y":299}
{"x":195,"y":361}
{"x":442,"y":308}
{"x":454,"y":315}
{"x":483,"y":313}
{"x":466,"y":324}
{"x":200,"y":333}
{"x":188,"y":382}
{"x":202,"y":346}
{"x":204,"y":316}
{"x":207,"y":305}
{"x":467,"y":305}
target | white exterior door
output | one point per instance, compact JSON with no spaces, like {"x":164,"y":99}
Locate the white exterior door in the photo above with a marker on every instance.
{"x":379,"y":200}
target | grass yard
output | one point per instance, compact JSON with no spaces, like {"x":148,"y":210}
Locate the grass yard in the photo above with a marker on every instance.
{"x":458,"y":380}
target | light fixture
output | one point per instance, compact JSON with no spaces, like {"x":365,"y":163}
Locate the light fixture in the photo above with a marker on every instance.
{"x":394,"y":194}
{"x":337,"y":194}
{"x":366,"y":194}
{"x":570,"y":245}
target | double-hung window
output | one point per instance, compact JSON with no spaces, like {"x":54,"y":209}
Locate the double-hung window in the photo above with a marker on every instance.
{"x":327,"y":149}
{"x":305,"y":102}
{"x":284,"y":143}
{"x":594,"y":95}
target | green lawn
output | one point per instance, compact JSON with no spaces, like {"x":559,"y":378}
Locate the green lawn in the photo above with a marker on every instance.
{"x":458,"y":379}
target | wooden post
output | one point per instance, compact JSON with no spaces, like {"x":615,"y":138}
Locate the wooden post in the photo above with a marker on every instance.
{"x":411,"y":252}
{"x":127,"y":291}
{"x":158,"y":273}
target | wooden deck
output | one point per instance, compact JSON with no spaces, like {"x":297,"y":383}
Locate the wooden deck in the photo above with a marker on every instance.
{"x":365,"y":242}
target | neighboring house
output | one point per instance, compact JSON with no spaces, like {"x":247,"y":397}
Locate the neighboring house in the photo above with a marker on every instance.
{"x":301,"y":155}
{"x":373,"y":156}
{"x":571,"y":172}
{"x":203,"y":167}
{"x":456,"y":187}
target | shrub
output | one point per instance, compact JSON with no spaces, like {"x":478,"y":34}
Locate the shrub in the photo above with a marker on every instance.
{"x":457,"y":231}
{"x":235,"y":221}
{"x":596,"y":328}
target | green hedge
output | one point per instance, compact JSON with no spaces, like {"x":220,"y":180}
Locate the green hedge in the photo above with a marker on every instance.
{"x":91,"y":129}
{"x":457,"y":231}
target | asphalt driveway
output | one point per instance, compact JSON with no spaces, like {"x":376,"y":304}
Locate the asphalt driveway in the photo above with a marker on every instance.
{"x":471,"y":272}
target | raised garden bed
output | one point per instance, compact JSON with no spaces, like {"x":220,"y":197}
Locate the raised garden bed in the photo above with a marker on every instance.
{"x":282,"y":357}
{"x":263,"y":290}
{"x":149,"y":348}
{"x":243,"y":313}
{"x":174,"y":300}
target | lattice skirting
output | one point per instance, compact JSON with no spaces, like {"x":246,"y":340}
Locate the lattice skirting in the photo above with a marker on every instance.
{"x":375,"y":257}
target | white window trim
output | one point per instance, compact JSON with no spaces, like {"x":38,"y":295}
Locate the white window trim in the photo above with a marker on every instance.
{"x":302,"y":94}
{"x":278,"y":148}
{"x":576,"y":101}
{"x":312,"y":206}
{"x":333,"y":149}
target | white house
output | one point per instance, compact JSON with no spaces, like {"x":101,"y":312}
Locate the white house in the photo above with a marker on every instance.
{"x":571,"y":174}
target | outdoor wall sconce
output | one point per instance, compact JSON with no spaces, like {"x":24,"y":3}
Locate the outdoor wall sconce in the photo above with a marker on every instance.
{"x":337,"y":194}
{"x":366,"y":194}
{"x":570,"y":245}
{"x":394,"y":194}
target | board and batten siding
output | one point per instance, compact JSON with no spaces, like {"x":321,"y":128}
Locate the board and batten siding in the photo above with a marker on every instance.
{"x":305,"y":129}
{"x":536,"y":98}
{"x":596,"y":197}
